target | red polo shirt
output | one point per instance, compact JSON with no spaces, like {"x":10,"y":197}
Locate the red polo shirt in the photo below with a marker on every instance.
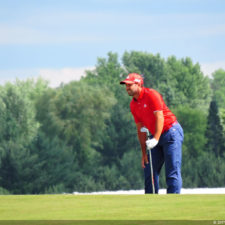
{"x":144,"y":107}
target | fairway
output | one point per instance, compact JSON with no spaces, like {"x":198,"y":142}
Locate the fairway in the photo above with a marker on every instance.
{"x":112,"y":207}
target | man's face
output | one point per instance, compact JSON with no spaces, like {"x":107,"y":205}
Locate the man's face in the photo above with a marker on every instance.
{"x":132,"y":89}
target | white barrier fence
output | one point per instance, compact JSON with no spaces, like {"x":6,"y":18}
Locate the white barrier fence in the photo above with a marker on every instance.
{"x":161,"y":191}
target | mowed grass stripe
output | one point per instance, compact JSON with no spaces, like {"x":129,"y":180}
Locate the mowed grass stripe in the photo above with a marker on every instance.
{"x":112,"y":207}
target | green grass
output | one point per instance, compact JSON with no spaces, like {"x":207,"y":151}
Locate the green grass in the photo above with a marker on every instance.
{"x":112,"y":207}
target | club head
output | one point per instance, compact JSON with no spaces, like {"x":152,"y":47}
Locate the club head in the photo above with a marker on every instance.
{"x":144,"y":130}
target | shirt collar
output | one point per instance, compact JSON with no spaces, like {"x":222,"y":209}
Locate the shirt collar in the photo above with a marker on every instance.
{"x":141,"y":95}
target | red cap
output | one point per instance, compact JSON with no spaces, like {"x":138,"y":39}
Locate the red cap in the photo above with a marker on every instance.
{"x":133,"y":78}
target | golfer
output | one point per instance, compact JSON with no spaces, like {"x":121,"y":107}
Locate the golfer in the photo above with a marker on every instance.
{"x":149,"y":110}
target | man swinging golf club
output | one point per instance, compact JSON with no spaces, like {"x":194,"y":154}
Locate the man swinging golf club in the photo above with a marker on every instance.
{"x":150,"y":111}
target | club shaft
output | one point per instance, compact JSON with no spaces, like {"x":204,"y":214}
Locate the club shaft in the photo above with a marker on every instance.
{"x":151,"y":169}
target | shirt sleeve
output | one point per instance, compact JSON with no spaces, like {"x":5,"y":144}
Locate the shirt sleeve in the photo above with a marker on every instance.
{"x":156,"y":101}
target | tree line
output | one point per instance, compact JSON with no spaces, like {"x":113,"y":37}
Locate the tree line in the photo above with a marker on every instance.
{"x":81,"y":136}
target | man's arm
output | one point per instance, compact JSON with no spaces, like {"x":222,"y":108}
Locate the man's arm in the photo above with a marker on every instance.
{"x":142,"y":140}
{"x":151,"y":143}
{"x":159,"y":124}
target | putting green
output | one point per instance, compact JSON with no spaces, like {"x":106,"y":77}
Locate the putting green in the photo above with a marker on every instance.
{"x":112,"y":207}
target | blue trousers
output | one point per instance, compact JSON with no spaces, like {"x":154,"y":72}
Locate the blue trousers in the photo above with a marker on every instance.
{"x":168,"y":151}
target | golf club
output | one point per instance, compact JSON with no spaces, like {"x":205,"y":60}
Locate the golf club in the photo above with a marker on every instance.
{"x":145,"y":130}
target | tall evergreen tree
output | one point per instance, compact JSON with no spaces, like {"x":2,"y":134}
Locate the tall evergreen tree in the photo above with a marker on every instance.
{"x":214,"y":131}
{"x":218,"y":86}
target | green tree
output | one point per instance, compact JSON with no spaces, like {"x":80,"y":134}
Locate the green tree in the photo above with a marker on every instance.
{"x":120,"y":133}
{"x":82,"y":137}
{"x":76,"y":113}
{"x":214,"y":132}
{"x":54,"y":165}
{"x":18,"y":129}
{"x":179,"y":81}
{"x":222,"y":118}
{"x":17,"y":115}
{"x":194,"y":123}
{"x":152,"y":67}
{"x":218,"y":86}
{"x":130,"y":168}
{"x":108,"y":72}
{"x":210,"y":170}
{"x":188,"y":84}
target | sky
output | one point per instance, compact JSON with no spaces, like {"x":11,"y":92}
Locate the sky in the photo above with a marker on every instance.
{"x":60,"y":39}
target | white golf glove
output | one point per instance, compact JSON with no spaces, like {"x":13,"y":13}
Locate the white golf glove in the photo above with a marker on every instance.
{"x":151,"y":143}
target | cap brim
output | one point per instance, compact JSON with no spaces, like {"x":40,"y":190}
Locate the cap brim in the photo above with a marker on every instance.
{"x":126,"y":82}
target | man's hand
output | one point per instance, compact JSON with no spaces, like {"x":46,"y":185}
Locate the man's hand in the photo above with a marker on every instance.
{"x":144,"y":160}
{"x":151,"y":143}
